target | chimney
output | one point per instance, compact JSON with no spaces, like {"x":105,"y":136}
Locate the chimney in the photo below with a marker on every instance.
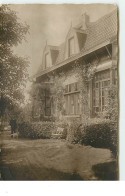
{"x":85,"y":20}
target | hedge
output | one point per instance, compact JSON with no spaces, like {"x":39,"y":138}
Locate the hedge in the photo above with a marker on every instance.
{"x":96,"y":133}
{"x":99,"y":134}
{"x":36,"y":130}
{"x":42,"y":130}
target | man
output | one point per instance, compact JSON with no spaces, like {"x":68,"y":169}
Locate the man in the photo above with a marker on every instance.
{"x":13,"y":125}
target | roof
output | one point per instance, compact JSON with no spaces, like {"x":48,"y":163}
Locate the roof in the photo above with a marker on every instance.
{"x":102,"y":30}
{"x":61,"y":53}
{"x":98,"y":32}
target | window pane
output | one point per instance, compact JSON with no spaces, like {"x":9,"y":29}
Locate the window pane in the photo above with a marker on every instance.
{"x":71,"y":104}
{"x":71,"y":99}
{"x":76,"y":86}
{"x":66,"y":89}
{"x":77,"y":104}
{"x":47,"y":103}
{"x":101,"y":90}
{"x":69,"y":87}
{"x":96,"y":97}
{"x":47,"y":60}
{"x":66,"y":104}
{"x":71,"y":46}
{"x":106,"y":96}
{"x":97,"y":85}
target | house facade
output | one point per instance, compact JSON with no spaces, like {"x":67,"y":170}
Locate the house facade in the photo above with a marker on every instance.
{"x":76,"y":77}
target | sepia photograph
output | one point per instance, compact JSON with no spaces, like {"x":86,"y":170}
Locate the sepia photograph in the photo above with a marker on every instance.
{"x":59,"y":92}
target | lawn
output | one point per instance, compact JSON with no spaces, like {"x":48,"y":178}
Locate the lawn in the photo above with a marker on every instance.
{"x":53,"y":159}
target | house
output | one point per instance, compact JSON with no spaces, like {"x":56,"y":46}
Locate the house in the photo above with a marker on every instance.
{"x":75,"y":77}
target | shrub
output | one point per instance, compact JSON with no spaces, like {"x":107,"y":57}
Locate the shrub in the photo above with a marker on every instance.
{"x":106,"y":171}
{"x":97,"y":133}
{"x":74,"y":133}
{"x":37,"y":130}
{"x":41,"y":130}
{"x":101,"y":135}
{"x":25,"y":130}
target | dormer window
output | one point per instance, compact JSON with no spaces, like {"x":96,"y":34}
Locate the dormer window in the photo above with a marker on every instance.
{"x":71,"y":46}
{"x":47,"y":60}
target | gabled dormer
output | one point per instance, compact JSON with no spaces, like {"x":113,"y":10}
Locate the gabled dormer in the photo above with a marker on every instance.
{"x":84,"y":22}
{"x":50,"y":55}
{"x":75,"y":41}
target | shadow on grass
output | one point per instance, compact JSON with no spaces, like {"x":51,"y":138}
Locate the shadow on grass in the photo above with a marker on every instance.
{"x":106,"y":171}
{"x":9,"y":172}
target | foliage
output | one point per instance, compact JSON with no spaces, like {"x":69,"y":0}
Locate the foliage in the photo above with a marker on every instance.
{"x":55,"y":88}
{"x":9,"y":110}
{"x":37,"y":130}
{"x":41,"y":130}
{"x":113,"y":104}
{"x":99,"y":133}
{"x":13,"y":69}
{"x":59,"y":91}
{"x":106,"y":171}
{"x":73,"y":133}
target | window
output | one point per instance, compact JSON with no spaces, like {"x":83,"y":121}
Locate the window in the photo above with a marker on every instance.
{"x":47,"y":103}
{"x":71,"y":46}
{"x":47,"y":60}
{"x":72,"y":104}
{"x":101,"y":84}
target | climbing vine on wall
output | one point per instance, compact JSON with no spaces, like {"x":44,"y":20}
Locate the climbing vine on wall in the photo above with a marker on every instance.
{"x":85,"y":73}
{"x":57,"y":91}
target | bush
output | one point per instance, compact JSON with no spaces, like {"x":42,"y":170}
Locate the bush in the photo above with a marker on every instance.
{"x":37,"y":130}
{"x":74,"y":133}
{"x":41,"y":130}
{"x":96,"y":133}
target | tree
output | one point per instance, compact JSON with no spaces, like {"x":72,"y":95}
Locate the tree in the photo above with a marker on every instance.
{"x":13,"y":69}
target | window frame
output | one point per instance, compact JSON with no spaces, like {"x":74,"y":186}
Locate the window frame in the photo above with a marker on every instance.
{"x":72,"y":99}
{"x":46,"y":105}
{"x":101,"y":90}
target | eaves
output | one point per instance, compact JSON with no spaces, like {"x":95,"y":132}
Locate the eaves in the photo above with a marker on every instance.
{"x":71,"y":59}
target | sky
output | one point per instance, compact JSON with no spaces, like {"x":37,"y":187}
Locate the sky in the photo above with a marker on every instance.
{"x":51,"y":23}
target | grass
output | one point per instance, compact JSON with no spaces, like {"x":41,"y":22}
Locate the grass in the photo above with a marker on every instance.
{"x":51,"y":159}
